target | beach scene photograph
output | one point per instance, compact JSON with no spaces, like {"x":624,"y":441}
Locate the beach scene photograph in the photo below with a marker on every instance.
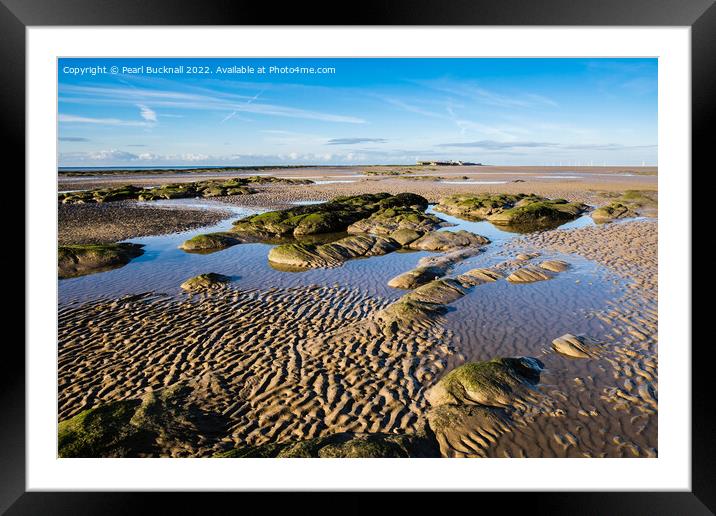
{"x":357,"y":258}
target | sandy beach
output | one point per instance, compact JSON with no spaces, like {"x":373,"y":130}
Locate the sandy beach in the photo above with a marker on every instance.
{"x":270,"y":358}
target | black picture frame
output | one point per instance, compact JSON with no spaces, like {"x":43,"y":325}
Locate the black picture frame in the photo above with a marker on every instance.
{"x":17,"y":15}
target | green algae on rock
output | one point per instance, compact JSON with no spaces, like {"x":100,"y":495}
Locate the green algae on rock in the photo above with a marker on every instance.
{"x":80,"y":259}
{"x":511,"y":209}
{"x":494,"y":383}
{"x":159,"y":424}
{"x":210,"y":188}
{"x":344,"y":445}
{"x":103,"y":431}
{"x":210,"y":242}
{"x":389,"y":220}
{"x":477,"y":206}
{"x":330,"y":217}
{"x":474,"y":403}
{"x":405,"y":236}
{"x":532,"y":211}
{"x":612,"y":211}
{"x":209,"y":280}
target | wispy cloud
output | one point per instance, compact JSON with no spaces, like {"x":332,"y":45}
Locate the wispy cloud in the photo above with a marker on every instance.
{"x":477,"y":93}
{"x":354,"y":141}
{"x":212,"y":100}
{"x":146,"y":113}
{"x":499,"y":145}
{"x":496,"y":145}
{"x":64,"y":118}
{"x":73,"y":139}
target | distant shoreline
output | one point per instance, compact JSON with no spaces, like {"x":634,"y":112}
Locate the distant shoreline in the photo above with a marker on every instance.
{"x":81,"y":171}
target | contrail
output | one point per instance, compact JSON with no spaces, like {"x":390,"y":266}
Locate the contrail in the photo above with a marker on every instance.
{"x":233,"y":113}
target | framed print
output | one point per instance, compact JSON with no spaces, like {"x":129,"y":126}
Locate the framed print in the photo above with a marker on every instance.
{"x":421,"y":252}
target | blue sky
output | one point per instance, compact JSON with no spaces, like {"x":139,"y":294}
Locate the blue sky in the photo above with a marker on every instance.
{"x":359,"y":111}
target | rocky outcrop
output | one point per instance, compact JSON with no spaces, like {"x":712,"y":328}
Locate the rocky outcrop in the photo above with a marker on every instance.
{"x":535,"y":212}
{"x":345,"y":445}
{"x":234,"y":186}
{"x":158,"y":424}
{"x":554,"y":265}
{"x":473,"y":404}
{"x":310,"y":256}
{"x":210,"y":242}
{"x":392,"y":220}
{"x":210,"y":280}
{"x":493,"y":383}
{"x":81,"y":259}
{"x":574,"y":346}
{"x":524,"y":257}
{"x":448,"y":241}
{"x":329,"y":217}
{"x":477,"y":207}
{"x":438,"y":292}
{"x":475,"y":277}
{"x":467,"y":430}
{"x":417,"y":277}
{"x":613,"y":211}
{"x":529,"y":274}
{"x":405,"y":236}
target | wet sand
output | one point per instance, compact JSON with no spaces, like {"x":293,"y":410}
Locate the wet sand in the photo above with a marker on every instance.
{"x":115,"y":221}
{"x":299,"y":362}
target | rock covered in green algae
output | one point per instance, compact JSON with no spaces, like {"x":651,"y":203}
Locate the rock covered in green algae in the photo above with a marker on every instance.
{"x":81,"y":259}
{"x":211,"y":188}
{"x":511,"y":210}
{"x":206,"y":281}
{"x":160,"y":424}
{"x":538,"y":211}
{"x":473,"y":404}
{"x":344,"y":445}
{"x":311,"y":256}
{"x":493,"y":383}
{"x":612,"y":211}
{"x":448,"y":240}
{"x":416,"y":277}
{"x":100,"y":195}
{"x":478,"y":206}
{"x":405,"y":236}
{"x":329,"y":217}
{"x":390,"y":220}
{"x":211,"y":241}
{"x":104,"y":431}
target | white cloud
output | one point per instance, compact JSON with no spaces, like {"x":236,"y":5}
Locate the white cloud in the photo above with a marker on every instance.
{"x":102,"y":121}
{"x":102,"y":155}
{"x":147,"y":114}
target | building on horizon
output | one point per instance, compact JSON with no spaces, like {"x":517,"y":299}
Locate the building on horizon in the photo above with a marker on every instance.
{"x":451,"y":163}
